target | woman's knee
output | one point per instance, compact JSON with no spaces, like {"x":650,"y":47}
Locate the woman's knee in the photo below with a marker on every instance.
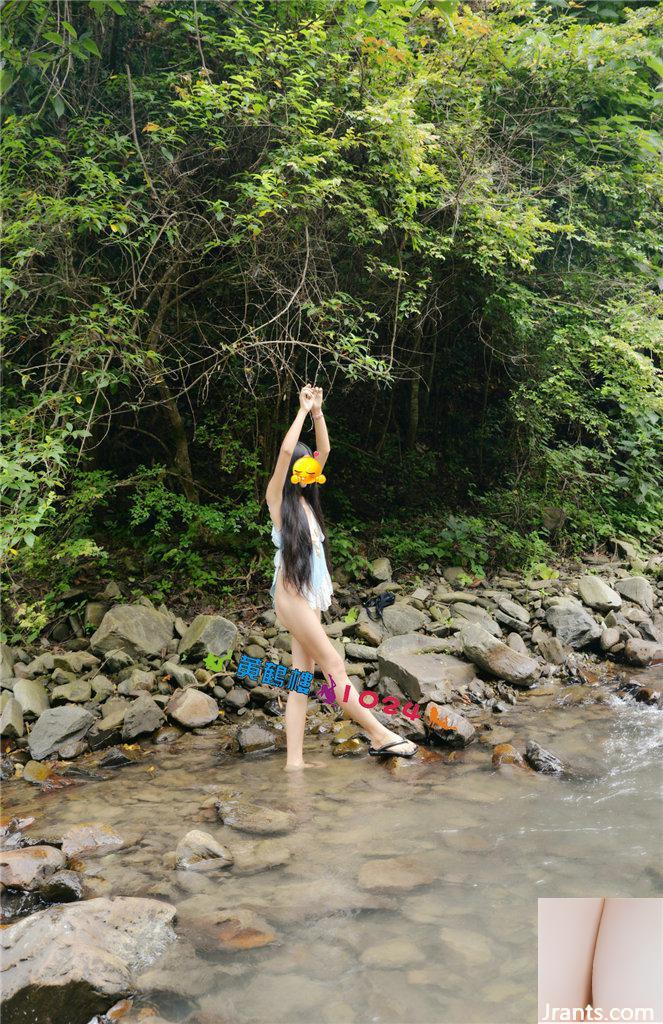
{"x":333,"y":665}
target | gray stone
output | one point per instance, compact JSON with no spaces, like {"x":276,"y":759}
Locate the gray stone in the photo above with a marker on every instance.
{"x":573,"y":625}
{"x":199,"y":851}
{"x":134,"y":629}
{"x":102,"y":687}
{"x":179,"y":674}
{"x":380,"y":569}
{"x":208,"y":634}
{"x":419,"y":668}
{"x":610,"y":638}
{"x":542,"y":760}
{"x":248,"y":817}
{"x":549,"y":646}
{"x":644,"y":652}
{"x":94,"y":613}
{"x":192,"y":708}
{"x":143,"y":716}
{"x":62,"y":887}
{"x":77,"y":692}
{"x":516,"y":643}
{"x":138,"y":682}
{"x":11,"y":719}
{"x":361,"y":651}
{"x":463,"y":612}
{"x":448,"y":726}
{"x":238,"y":697}
{"x":116,"y":660}
{"x":57,"y":728}
{"x":402,"y":618}
{"x":596,"y":593}
{"x":513,"y":609}
{"x":255,"y":737}
{"x":75,"y":661}
{"x":68,"y":963}
{"x":625,"y":549}
{"x":32,"y":696}
{"x":7,"y":662}
{"x":639,"y":590}
{"x":494,"y":657}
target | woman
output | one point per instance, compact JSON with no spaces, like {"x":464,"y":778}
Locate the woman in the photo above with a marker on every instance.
{"x":302,"y":588}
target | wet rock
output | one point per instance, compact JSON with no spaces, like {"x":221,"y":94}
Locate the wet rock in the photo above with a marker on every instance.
{"x":77,"y":692}
{"x":238,"y":698}
{"x":11,"y":718}
{"x":199,"y":851}
{"x":505,"y":753}
{"x":542,"y":760}
{"x":639,"y":590}
{"x":57,"y":729}
{"x":513,"y":609}
{"x":471,"y":947}
{"x":27,"y":868}
{"x":352,"y":747}
{"x":192,"y":708}
{"x":573,"y":626}
{"x":208,"y":634}
{"x":67,"y":963}
{"x":134,"y":629}
{"x":380,"y":569}
{"x":494,"y":657}
{"x":402,"y":618}
{"x":393,"y":954}
{"x":255,"y":737}
{"x":7,"y":769}
{"x":420,"y":670}
{"x":179,"y":674}
{"x":643,"y":652}
{"x":596,"y":593}
{"x":142,"y":716}
{"x":450,"y":727}
{"x":259,"y":855}
{"x":251,"y":818}
{"x":32,"y":696}
{"x":225,"y":928}
{"x":119,"y":757}
{"x":62,"y":887}
{"x":89,"y":837}
{"x":395,"y":874}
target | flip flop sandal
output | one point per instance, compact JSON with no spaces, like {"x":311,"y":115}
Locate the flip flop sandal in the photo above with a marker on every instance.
{"x":386,"y":750}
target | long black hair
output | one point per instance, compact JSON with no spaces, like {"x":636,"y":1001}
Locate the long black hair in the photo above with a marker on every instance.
{"x":296,"y":544}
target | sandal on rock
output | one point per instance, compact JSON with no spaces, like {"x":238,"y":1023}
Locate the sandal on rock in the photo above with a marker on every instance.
{"x":386,"y":750}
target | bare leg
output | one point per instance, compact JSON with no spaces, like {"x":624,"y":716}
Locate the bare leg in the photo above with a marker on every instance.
{"x":295,"y":710}
{"x":305,"y":626}
{"x":567,"y":936}
{"x":628,"y":962}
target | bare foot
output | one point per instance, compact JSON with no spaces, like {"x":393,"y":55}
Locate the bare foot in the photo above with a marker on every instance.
{"x":303,"y":764}
{"x":404,"y":746}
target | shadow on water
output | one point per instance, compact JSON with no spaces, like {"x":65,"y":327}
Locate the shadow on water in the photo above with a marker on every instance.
{"x":406,"y":891}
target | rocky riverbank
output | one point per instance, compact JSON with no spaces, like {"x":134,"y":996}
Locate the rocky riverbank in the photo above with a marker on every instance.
{"x":469,"y":653}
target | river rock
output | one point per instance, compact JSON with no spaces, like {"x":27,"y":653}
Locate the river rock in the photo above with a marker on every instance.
{"x":57,"y":729}
{"x":102,"y":687}
{"x":76,"y":662}
{"x":179,"y":674}
{"x":32,"y":696}
{"x":639,"y":590}
{"x":380,"y":569}
{"x":133,"y":628}
{"x":452,"y":728}
{"x":418,"y":667}
{"x":70,"y":962}
{"x":542,"y":760}
{"x":402,"y":618}
{"x":255,"y":737}
{"x":395,"y":874}
{"x":142,"y":716}
{"x":199,"y":851}
{"x":573,"y":626}
{"x":550,"y":648}
{"x":513,"y":609}
{"x":7,"y":662}
{"x":610,"y":638}
{"x":116,"y":660}
{"x":90,"y":837}
{"x":27,"y":867}
{"x":494,"y":657}
{"x":643,"y":652}
{"x":208,"y":634}
{"x":463,"y":613}
{"x":11,"y":719}
{"x":62,"y":887}
{"x":138,"y":682}
{"x":238,"y":697}
{"x":362,"y":652}
{"x":393,"y":954}
{"x":192,"y":708}
{"x":596,"y":593}
{"x":252,"y":856}
{"x":251,"y":818}
{"x":505,"y":753}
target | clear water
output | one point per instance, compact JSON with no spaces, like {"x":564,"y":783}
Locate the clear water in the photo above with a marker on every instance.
{"x":460,"y":947}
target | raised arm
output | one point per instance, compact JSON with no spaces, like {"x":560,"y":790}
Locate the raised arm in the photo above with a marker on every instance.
{"x":275,"y":486}
{"x":322,"y":445}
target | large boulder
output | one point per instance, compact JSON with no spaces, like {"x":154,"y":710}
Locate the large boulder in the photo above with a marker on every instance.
{"x":596,"y":593}
{"x":208,"y":634}
{"x":573,"y":625}
{"x":192,"y":708}
{"x":135,"y":629}
{"x":496,"y":658}
{"x":639,"y":590}
{"x":402,"y":618}
{"x":416,"y":663}
{"x":31,"y":695}
{"x":57,"y":728}
{"x":68,"y":963}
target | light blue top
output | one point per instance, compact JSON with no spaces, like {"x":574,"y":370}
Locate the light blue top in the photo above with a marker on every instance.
{"x":320,"y":592}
